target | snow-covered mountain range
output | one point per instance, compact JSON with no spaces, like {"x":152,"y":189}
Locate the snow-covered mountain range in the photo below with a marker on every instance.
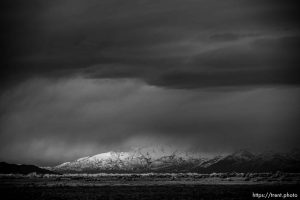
{"x":162,"y":159}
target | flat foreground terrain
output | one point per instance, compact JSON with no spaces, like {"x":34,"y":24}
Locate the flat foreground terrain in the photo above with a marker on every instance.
{"x":146,"y":187}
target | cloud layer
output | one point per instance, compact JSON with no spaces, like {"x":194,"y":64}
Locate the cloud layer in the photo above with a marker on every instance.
{"x":52,"y":121}
{"x":177,"y":44}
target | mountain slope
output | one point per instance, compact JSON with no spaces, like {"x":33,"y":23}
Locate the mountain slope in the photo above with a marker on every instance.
{"x":140,"y":160}
{"x":6,"y":168}
{"x":244,"y":161}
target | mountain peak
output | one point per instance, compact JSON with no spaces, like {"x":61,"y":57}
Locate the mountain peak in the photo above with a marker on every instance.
{"x":243,"y":154}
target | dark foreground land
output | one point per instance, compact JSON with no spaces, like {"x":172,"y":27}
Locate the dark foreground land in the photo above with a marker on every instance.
{"x":147,"y":187}
{"x":148,"y":192}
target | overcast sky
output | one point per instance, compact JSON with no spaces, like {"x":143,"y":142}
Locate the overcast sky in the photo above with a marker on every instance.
{"x":82,"y":77}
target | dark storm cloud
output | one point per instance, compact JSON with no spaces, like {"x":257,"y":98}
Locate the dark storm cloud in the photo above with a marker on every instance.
{"x":264,"y":61}
{"x":224,"y":37}
{"x":152,"y":40}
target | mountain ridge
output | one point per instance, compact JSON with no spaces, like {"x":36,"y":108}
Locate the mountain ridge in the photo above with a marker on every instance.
{"x":157,"y":160}
{"x":7,"y":168}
